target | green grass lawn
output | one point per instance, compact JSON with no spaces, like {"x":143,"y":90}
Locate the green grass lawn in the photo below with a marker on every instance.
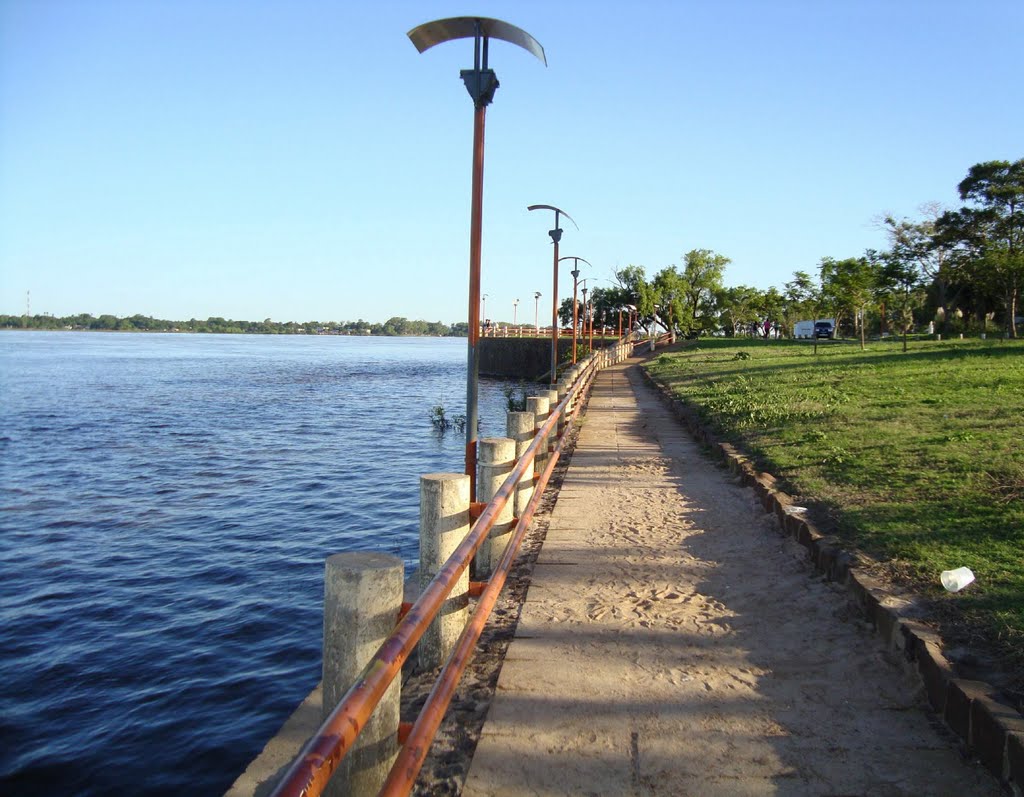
{"x":915,"y":458}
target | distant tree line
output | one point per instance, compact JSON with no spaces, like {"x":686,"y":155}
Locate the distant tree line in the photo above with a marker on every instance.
{"x":141,"y":323}
{"x":960,"y":270}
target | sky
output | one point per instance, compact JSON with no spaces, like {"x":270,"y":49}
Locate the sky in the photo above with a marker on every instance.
{"x":299,"y":160}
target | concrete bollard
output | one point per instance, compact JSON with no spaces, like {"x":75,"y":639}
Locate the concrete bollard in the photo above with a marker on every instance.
{"x":444,"y":524}
{"x":540,"y":407}
{"x":497,"y":458}
{"x":522,"y":427}
{"x":554,"y":399}
{"x":362,"y":598}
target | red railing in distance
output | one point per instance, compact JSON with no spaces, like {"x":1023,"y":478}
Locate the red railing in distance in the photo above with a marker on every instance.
{"x":320,"y":757}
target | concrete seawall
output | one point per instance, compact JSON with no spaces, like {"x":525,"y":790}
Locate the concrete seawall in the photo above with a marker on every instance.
{"x":520,"y":358}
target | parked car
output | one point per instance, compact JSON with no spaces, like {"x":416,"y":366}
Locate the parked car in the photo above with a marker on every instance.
{"x":824,"y":329}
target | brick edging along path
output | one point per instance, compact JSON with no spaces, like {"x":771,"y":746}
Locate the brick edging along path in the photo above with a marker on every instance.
{"x":989,"y":729}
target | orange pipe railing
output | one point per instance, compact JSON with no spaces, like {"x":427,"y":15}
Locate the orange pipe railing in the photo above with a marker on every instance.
{"x":319,"y":758}
{"x":413,"y":753}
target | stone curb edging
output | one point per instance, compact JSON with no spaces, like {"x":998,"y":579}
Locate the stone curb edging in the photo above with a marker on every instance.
{"x":991,"y":730}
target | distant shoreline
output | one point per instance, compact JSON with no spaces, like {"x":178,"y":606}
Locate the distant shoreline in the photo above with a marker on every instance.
{"x":224,"y":332}
{"x":395,"y":326}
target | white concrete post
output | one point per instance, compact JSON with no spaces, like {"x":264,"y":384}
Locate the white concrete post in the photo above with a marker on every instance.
{"x":362,"y":599}
{"x":540,"y":407}
{"x":522,"y":427}
{"x":444,"y":524}
{"x":497,"y":458}
{"x":554,"y":399}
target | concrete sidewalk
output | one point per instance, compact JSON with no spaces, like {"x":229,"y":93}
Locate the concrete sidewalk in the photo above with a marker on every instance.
{"x":674,"y":642}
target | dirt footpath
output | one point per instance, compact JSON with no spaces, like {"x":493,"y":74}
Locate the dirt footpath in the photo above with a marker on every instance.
{"x":673,"y":642}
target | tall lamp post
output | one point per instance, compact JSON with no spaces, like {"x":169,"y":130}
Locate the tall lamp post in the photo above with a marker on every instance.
{"x":515,"y":311}
{"x":483,"y":308}
{"x":556,"y":236}
{"x":536,"y":312}
{"x":585,"y":306}
{"x":575,"y":276}
{"x":588,"y":310}
{"x":481,"y":83}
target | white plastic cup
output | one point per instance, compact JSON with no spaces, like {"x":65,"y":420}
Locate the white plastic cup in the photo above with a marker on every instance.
{"x":956,"y":580}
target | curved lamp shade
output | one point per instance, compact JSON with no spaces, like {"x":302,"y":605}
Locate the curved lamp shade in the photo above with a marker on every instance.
{"x":557,"y":210}
{"x":428,"y":34}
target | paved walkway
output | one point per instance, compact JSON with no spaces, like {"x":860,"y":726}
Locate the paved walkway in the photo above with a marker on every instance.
{"x":673,"y":642}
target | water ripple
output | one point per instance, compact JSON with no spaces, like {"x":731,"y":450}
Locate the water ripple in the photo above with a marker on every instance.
{"x":168,"y":505}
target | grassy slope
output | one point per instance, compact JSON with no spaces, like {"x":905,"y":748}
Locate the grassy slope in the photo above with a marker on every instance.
{"x":917,"y":456}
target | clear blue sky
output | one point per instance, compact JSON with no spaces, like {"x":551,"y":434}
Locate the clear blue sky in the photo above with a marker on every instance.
{"x":300,"y":160}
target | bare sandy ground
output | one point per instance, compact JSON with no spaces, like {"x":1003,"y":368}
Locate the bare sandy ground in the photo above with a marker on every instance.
{"x":673,"y":642}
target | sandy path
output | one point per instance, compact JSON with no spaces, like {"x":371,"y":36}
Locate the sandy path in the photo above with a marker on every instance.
{"x":673,"y":642}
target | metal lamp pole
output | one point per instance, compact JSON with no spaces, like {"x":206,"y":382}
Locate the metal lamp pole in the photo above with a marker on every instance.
{"x":483,"y":308}
{"x":515,"y":311}
{"x":585,"y":289}
{"x":575,"y":276}
{"x":536,"y":312}
{"x":556,"y":236}
{"x":575,"y":320}
{"x":481,"y":83}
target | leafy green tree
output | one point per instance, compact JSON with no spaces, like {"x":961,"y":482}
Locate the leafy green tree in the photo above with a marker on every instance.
{"x":989,"y":232}
{"x":702,"y":276}
{"x":770,"y":304}
{"x":916,"y":245}
{"x":739,"y":308}
{"x":848,"y":287}
{"x":797,"y":301}
{"x":565,"y":312}
{"x":632,"y":288}
{"x":901,"y":283}
{"x":669,"y":288}
{"x":104,"y":322}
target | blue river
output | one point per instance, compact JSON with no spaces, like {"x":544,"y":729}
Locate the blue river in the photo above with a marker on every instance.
{"x":168,"y":503}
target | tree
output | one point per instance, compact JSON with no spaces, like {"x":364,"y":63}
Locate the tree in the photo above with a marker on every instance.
{"x":901,"y":284}
{"x":565,"y":312}
{"x":702,"y":279}
{"x":848,"y":287}
{"x":989,"y":232}
{"x":633,"y":289}
{"x":770,"y":304}
{"x":797,"y":301}
{"x":916,"y":245}
{"x":739,"y":308}
{"x":669,"y":287}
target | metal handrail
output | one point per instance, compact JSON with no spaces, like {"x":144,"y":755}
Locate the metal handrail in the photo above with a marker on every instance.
{"x":320,"y":756}
{"x":414,"y":751}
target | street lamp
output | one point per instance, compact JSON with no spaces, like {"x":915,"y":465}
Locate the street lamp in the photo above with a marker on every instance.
{"x":481,"y":83}
{"x":585,"y":289}
{"x":556,"y":236}
{"x":575,"y":276}
{"x":483,"y":309}
{"x":536,"y":312}
{"x":515,"y":310}
{"x":589,"y":309}
{"x":593,"y":296}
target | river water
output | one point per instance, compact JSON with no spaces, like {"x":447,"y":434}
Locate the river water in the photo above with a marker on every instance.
{"x":167,"y":505}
